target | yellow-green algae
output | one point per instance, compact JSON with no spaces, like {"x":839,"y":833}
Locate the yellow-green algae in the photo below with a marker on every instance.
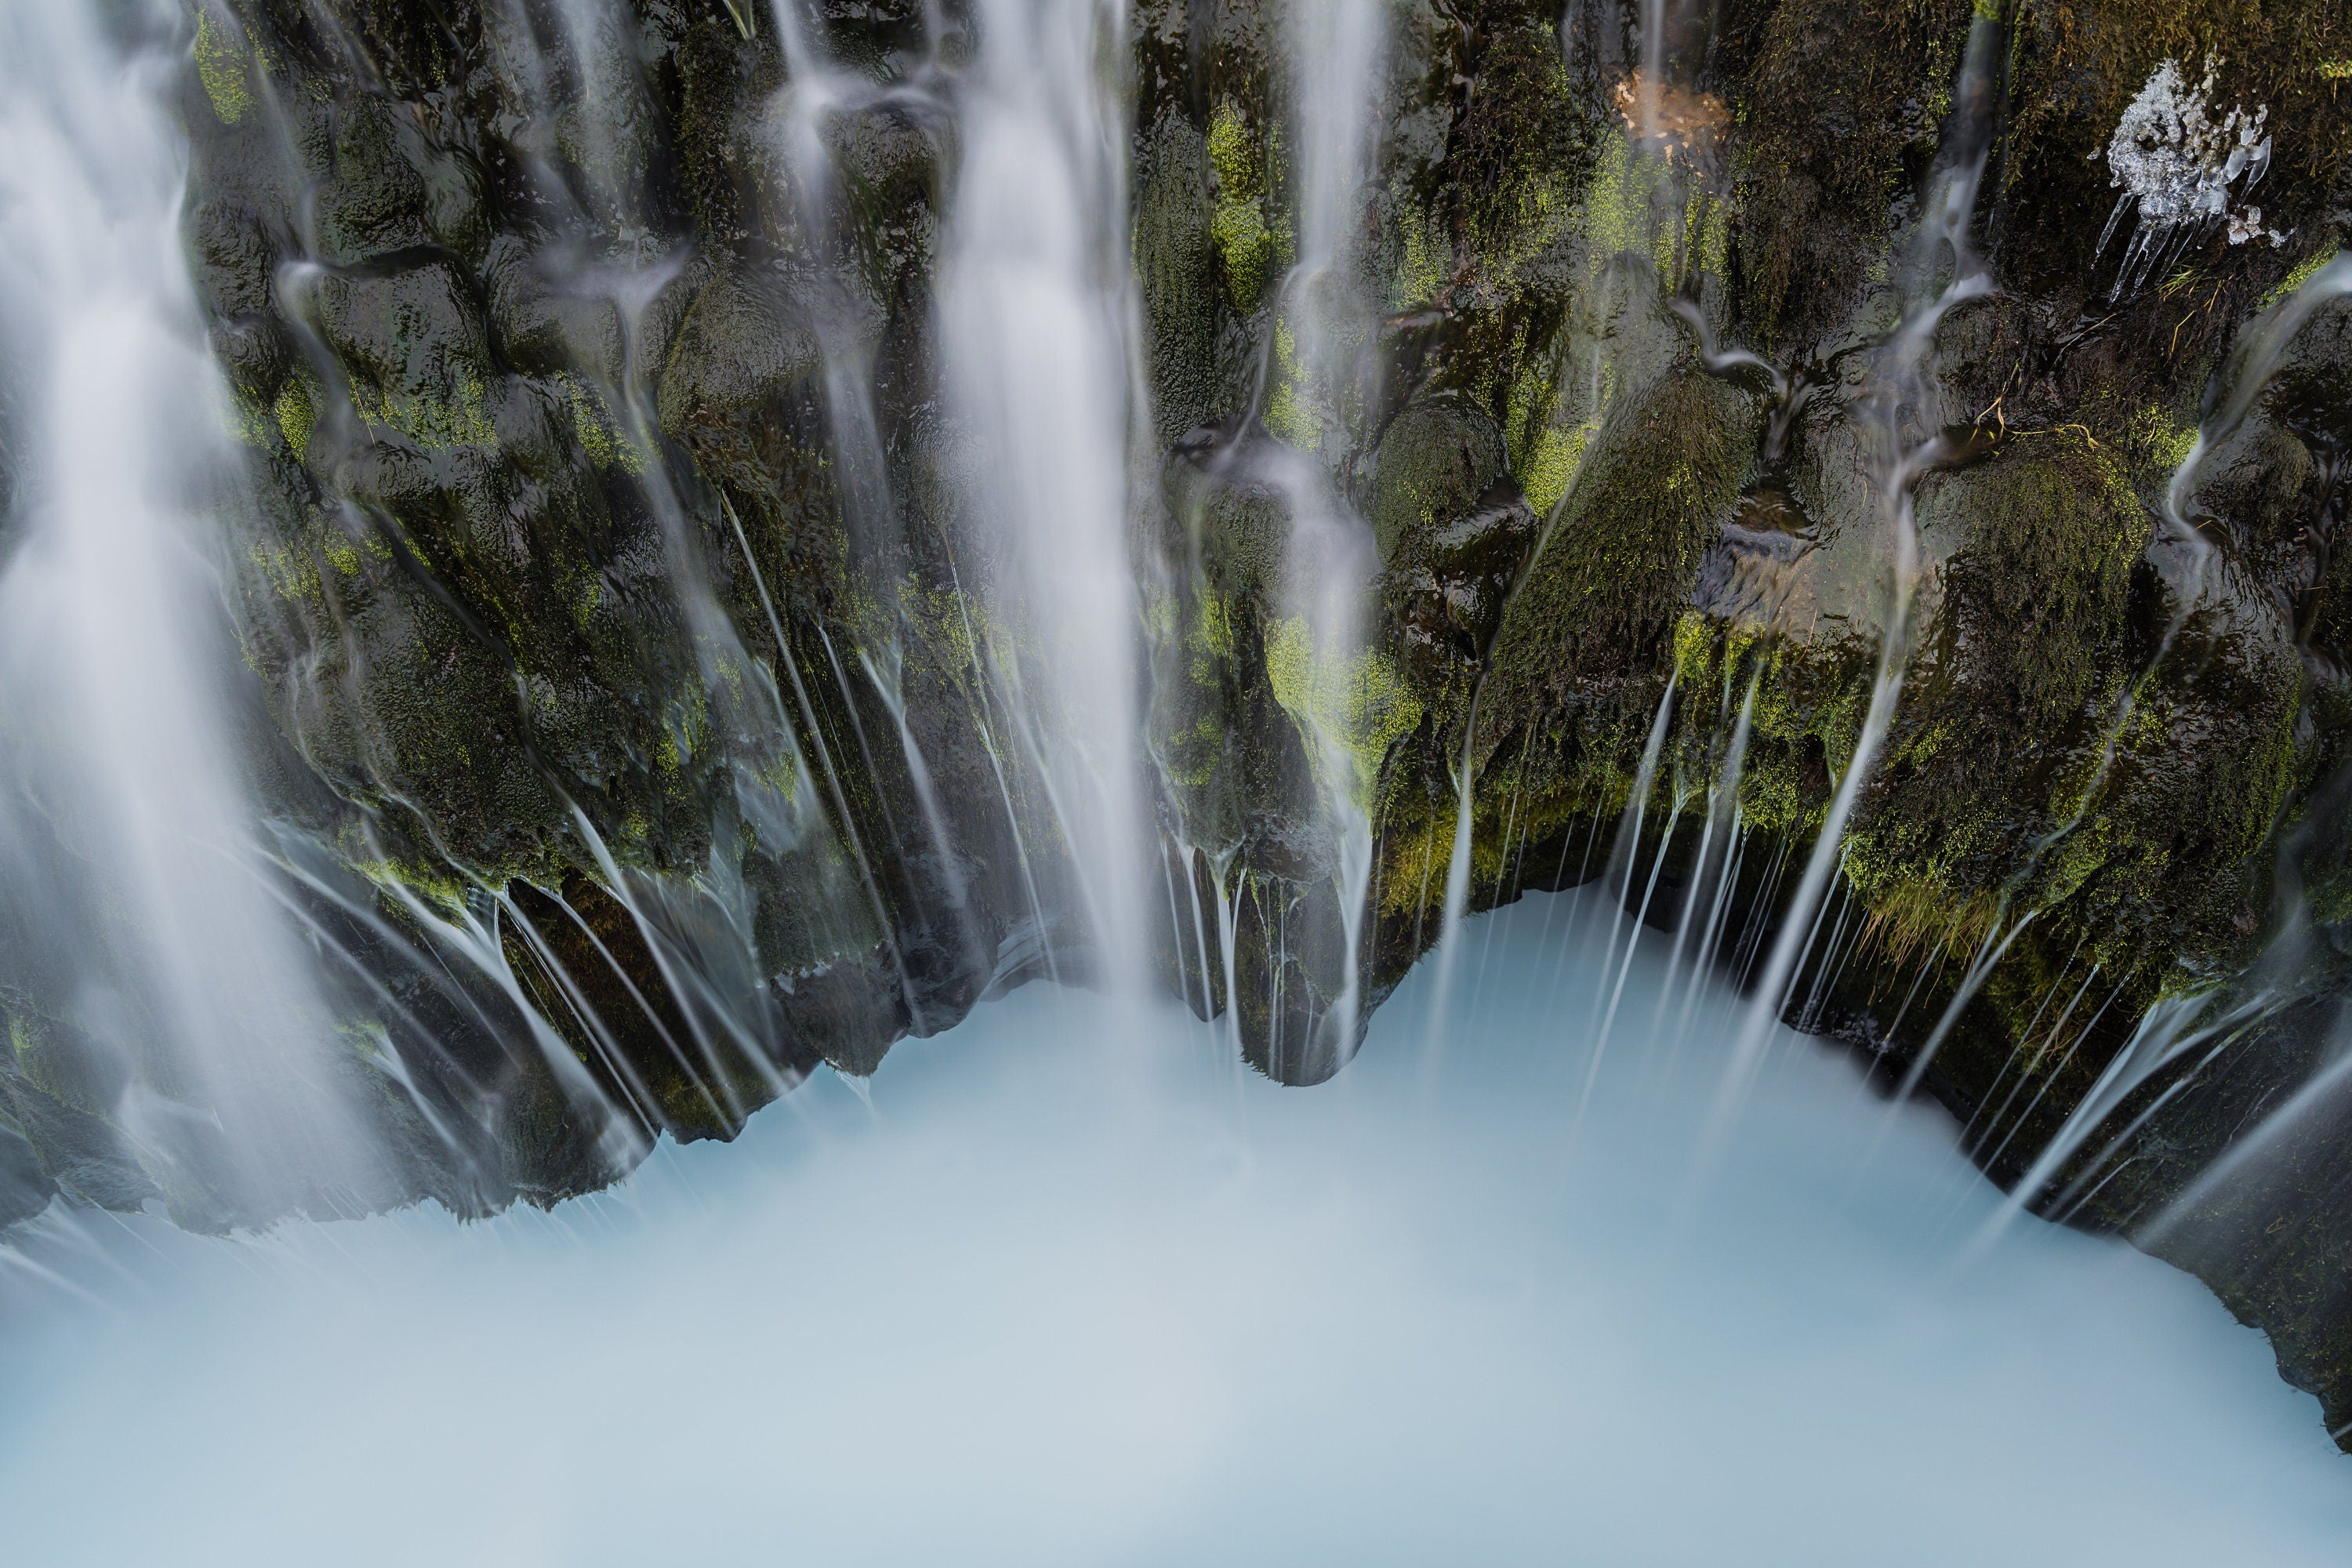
{"x":1355,"y":698}
{"x":436,"y":424}
{"x":600,"y":434}
{"x":221,"y":64}
{"x":2303,"y":274}
{"x":1287,"y":414}
{"x":1238,"y":228}
{"x":297,"y":413}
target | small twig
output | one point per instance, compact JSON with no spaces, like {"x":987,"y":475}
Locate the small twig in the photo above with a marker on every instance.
{"x":2053,"y":430}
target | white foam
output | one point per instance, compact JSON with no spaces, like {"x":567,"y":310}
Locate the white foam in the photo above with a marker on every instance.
{"x":1059,"y":1297}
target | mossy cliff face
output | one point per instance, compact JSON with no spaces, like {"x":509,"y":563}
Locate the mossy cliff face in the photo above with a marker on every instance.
{"x":613,"y":590}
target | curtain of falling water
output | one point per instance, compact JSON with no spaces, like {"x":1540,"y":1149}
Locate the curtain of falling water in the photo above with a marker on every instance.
{"x":1337,"y":46}
{"x":1034,"y":317}
{"x":144,"y":948}
{"x":1941,"y":241}
{"x":1330,"y":561}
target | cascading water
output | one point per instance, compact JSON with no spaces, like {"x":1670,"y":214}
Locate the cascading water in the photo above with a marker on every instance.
{"x":1035,"y":316}
{"x":1941,"y":242}
{"x":145,"y":934}
{"x":755,"y":528}
{"x":1619,"y":878}
{"x":1328,"y":560}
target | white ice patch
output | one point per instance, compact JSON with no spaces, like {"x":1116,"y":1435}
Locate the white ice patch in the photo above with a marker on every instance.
{"x":2184,"y":171}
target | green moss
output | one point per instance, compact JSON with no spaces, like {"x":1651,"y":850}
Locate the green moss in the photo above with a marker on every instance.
{"x":1617,"y":212}
{"x":1197,"y":642}
{"x":599,"y":434}
{"x":1211,"y":639}
{"x":433,"y":883}
{"x":249,"y":422}
{"x":1551,"y":463}
{"x":1287,"y":413}
{"x":1816,"y":201}
{"x":1544,"y":456}
{"x":1243,"y":241}
{"x":434,"y":423}
{"x":291,"y":574}
{"x":2303,"y":274}
{"x":2003,"y":720}
{"x":1694,"y":651}
{"x":1435,"y":461}
{"x":1355,"y":701}
{"x":2034,"y":768}
{"x":1518,"y":151}
{"x":1707,"y":223}
{"x":1810,"y":704}
{"x":1584,"y":648}
{"x":1598,"y":604}
{"x":1637,"y":204}
{"x":1424,"y":257}
{"x":1229,"y":149}
{"x":221,"y":65}
{"x":2157,"y":441}
{"x":298,"y":417}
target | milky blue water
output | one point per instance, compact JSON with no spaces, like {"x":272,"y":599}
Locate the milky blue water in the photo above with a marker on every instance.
{"x":1067,"y":1288}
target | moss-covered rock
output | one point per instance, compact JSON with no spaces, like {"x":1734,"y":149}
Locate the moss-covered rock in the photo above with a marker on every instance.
{"x":1598,"y":608}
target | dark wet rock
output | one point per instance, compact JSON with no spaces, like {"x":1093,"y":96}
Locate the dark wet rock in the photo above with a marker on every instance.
{"x":1175,"y":213}
{"x":1446,"y":590}
{"x":1435,"y":461}
{"x":1751,"y":573}
{"x":1601,"y":599}
{"x":742,"y":342}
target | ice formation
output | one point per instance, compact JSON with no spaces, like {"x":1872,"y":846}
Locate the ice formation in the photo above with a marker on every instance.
{"x":2183,"y":171}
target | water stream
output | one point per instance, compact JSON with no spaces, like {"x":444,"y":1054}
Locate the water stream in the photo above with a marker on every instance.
{"x":142,"y":900}
{"x":1036,"y":316}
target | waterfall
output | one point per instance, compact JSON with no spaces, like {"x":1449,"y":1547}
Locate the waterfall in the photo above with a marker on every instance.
{"x":1617,"y":879}
{"x":1942,"y":240}
{"x":1717,"y":861}
{"x":1455,"y":905}
{"x":151,"y":970}
{"x":570,"y":567}
{"x":1036,"y":318}
{"x":1328,"y":570}
{"x":1329,"y":561}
